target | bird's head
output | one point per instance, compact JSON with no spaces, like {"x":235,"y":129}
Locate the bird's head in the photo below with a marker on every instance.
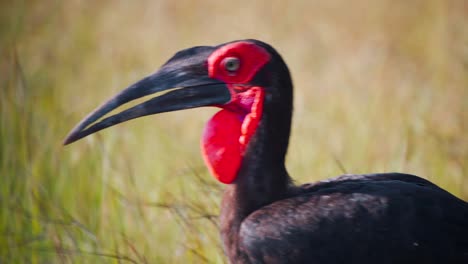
{"x":236,"y":76}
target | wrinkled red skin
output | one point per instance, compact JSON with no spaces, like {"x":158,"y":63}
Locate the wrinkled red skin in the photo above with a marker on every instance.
{"x":227,"y":134}
{"x":229,"y":131}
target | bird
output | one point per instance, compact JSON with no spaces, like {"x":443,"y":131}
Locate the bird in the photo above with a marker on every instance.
{"x":264,"y":216}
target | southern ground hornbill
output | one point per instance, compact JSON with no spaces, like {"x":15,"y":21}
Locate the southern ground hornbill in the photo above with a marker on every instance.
{"x":265,"y":218}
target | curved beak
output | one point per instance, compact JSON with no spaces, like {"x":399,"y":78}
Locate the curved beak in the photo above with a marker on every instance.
{"x":184,"y":90}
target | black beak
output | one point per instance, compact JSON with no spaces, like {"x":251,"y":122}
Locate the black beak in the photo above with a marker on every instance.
{"x":184,"y":90}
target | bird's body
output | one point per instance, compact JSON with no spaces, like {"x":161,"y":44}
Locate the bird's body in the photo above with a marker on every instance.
{"x":374,"y":218}
{"x":265,"y":218}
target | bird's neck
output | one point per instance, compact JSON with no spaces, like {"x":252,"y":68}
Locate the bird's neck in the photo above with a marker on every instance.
{"x":262,"y":177}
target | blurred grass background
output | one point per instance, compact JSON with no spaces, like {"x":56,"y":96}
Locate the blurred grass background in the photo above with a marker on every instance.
{"x":380,"y":86}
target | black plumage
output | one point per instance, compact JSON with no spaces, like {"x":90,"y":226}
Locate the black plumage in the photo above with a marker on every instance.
{"x":373,"y":218}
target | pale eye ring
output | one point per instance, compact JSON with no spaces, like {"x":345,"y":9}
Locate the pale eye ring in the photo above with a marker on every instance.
{"x":231,"y":64}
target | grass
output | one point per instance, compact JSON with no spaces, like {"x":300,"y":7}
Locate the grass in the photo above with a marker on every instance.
{"x":380,"y":86}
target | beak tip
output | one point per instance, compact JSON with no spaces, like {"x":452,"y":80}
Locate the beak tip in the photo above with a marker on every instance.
{"x":70,"y":139}
{"x":66,"y":141}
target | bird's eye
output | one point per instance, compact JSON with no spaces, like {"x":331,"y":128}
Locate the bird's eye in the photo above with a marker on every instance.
{"x":231,"y":64}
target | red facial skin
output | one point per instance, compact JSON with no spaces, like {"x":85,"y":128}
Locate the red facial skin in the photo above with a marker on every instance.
{"x":229,"y":131}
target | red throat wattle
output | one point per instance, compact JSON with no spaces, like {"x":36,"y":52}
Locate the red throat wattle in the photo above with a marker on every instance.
{"x":228,"y":133}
